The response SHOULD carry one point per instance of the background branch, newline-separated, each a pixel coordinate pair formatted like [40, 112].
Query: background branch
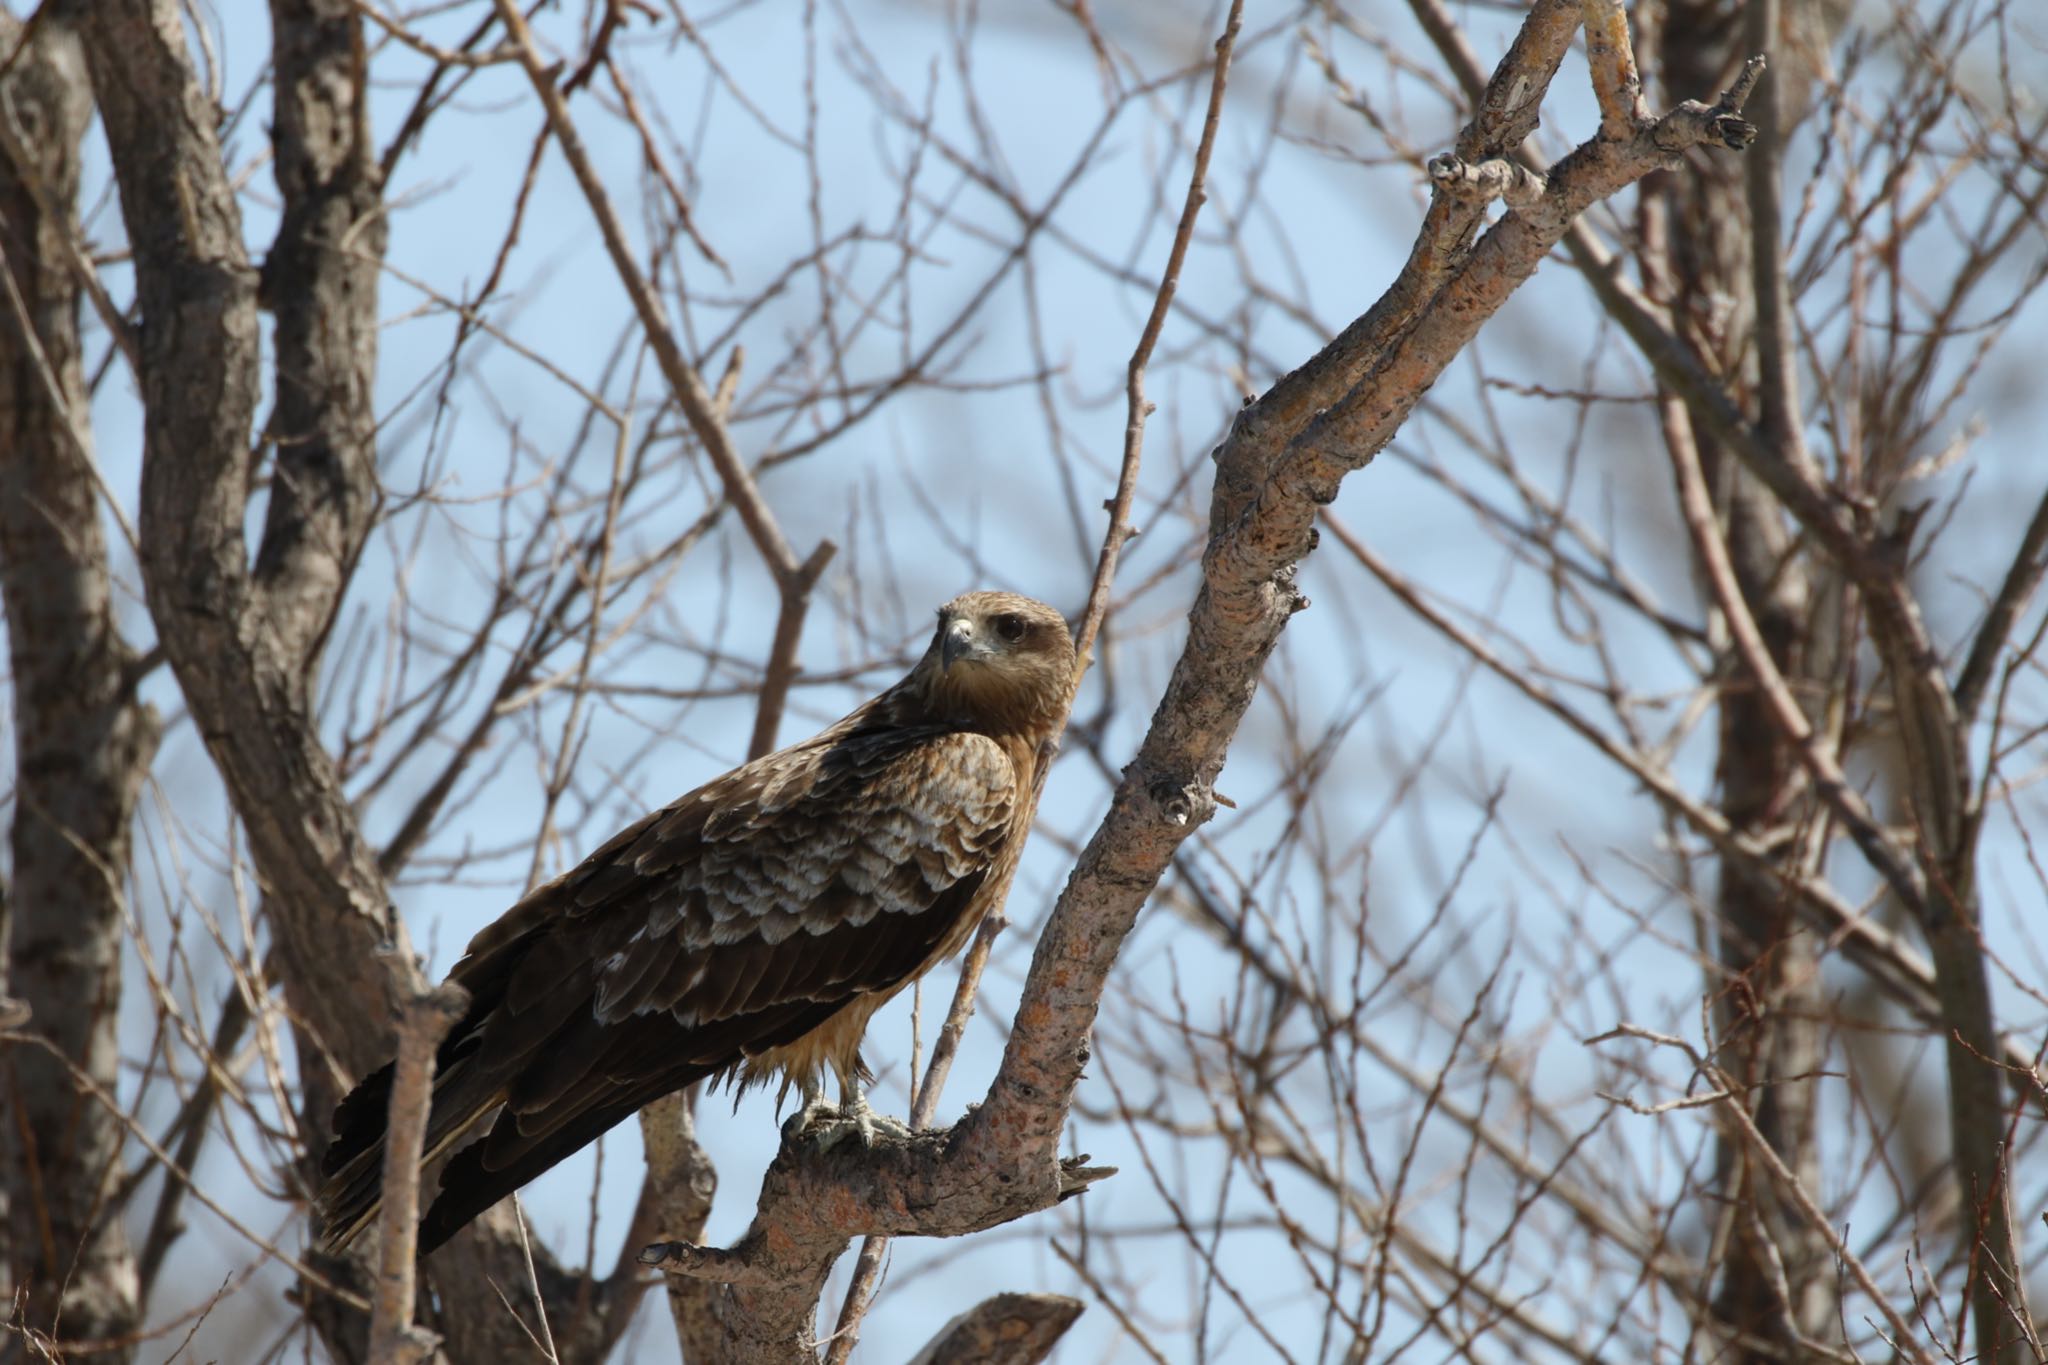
[423, 1021]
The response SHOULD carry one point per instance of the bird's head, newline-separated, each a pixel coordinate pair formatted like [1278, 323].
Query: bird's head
[998, 660]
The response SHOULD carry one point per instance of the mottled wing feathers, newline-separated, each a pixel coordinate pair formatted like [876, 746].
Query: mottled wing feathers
[595, 1075]
[753, 925]
[683, 913]
[731, 922]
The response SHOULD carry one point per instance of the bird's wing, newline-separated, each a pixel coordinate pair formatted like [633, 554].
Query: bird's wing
[733, 921]
[757, 877]
[811, 875]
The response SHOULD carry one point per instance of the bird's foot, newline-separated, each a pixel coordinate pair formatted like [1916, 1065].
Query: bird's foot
[826, 1126]
[816, 1110]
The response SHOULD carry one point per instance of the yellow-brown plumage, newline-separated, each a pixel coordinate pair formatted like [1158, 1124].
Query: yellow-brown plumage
[747, 929]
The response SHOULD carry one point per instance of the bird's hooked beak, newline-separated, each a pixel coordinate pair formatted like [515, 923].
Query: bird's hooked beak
[959, 642]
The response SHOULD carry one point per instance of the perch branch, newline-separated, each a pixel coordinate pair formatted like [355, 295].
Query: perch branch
[1282, 461]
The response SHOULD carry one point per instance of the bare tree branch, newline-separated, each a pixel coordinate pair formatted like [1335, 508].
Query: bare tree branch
[1002, 1160]
[1009, 1329]
[423, 1021]
[82, 741]
[468, 577]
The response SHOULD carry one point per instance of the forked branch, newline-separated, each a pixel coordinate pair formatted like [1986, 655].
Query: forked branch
[1282, 461]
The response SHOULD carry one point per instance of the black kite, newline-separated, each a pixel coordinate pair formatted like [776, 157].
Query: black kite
[749, 928]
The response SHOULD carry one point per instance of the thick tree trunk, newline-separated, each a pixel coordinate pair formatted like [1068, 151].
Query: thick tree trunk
[1768, 990]
[83, 743]
[245, 636]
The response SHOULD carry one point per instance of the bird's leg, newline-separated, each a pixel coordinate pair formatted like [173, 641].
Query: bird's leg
[853, 1118]
[814, 1109]
[853, 1109]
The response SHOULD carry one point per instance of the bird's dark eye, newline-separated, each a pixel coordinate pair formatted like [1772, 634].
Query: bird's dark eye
[1010, 626]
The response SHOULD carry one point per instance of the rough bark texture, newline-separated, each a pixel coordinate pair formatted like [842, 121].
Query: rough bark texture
[320, 283]
[1766, 471]
[245, 644]
[244, 667]
[1009, 1329]
[1282, 461]
[1941, 795]
[675, 1203]
[83, 743]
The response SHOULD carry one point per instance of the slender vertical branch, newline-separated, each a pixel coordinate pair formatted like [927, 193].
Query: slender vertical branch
[423, 1021]
[698, 405]
[2022, 577]
[1137, 408]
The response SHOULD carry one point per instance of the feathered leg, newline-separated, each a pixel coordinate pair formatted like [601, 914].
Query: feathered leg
[855, 1115]
[825, 1125]
[813, 1111]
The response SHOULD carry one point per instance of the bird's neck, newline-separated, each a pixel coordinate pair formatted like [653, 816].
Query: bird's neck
[975, 700]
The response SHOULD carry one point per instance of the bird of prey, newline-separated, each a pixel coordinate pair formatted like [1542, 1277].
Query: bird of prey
[749, 928]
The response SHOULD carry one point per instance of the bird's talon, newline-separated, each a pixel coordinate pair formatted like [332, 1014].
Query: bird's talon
[816, 1111]
[895, 1129]
[827, 1126]
[830, 1134]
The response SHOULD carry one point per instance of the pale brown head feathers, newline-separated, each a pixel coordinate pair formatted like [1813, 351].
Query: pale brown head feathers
[998, 661]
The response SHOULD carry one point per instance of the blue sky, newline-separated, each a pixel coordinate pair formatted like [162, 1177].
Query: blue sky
[943, 490]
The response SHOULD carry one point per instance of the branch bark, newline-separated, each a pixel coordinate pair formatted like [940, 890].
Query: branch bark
[1282, 461]
[82, 741]
[1702, 257]
[320, 283]
[245, 643]
[1937, 880]
[246, 679]
[422, 1023]
[1009, 1329]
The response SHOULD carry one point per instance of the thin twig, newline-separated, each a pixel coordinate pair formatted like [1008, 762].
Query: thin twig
[546, 1341]
[1107, 1300]
[1728, 1094]
[91, 1088]
[1137, 408]
[1893, 965]
[698, 406]
[190, 1129]
[1695, 504]
[2029, 563]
